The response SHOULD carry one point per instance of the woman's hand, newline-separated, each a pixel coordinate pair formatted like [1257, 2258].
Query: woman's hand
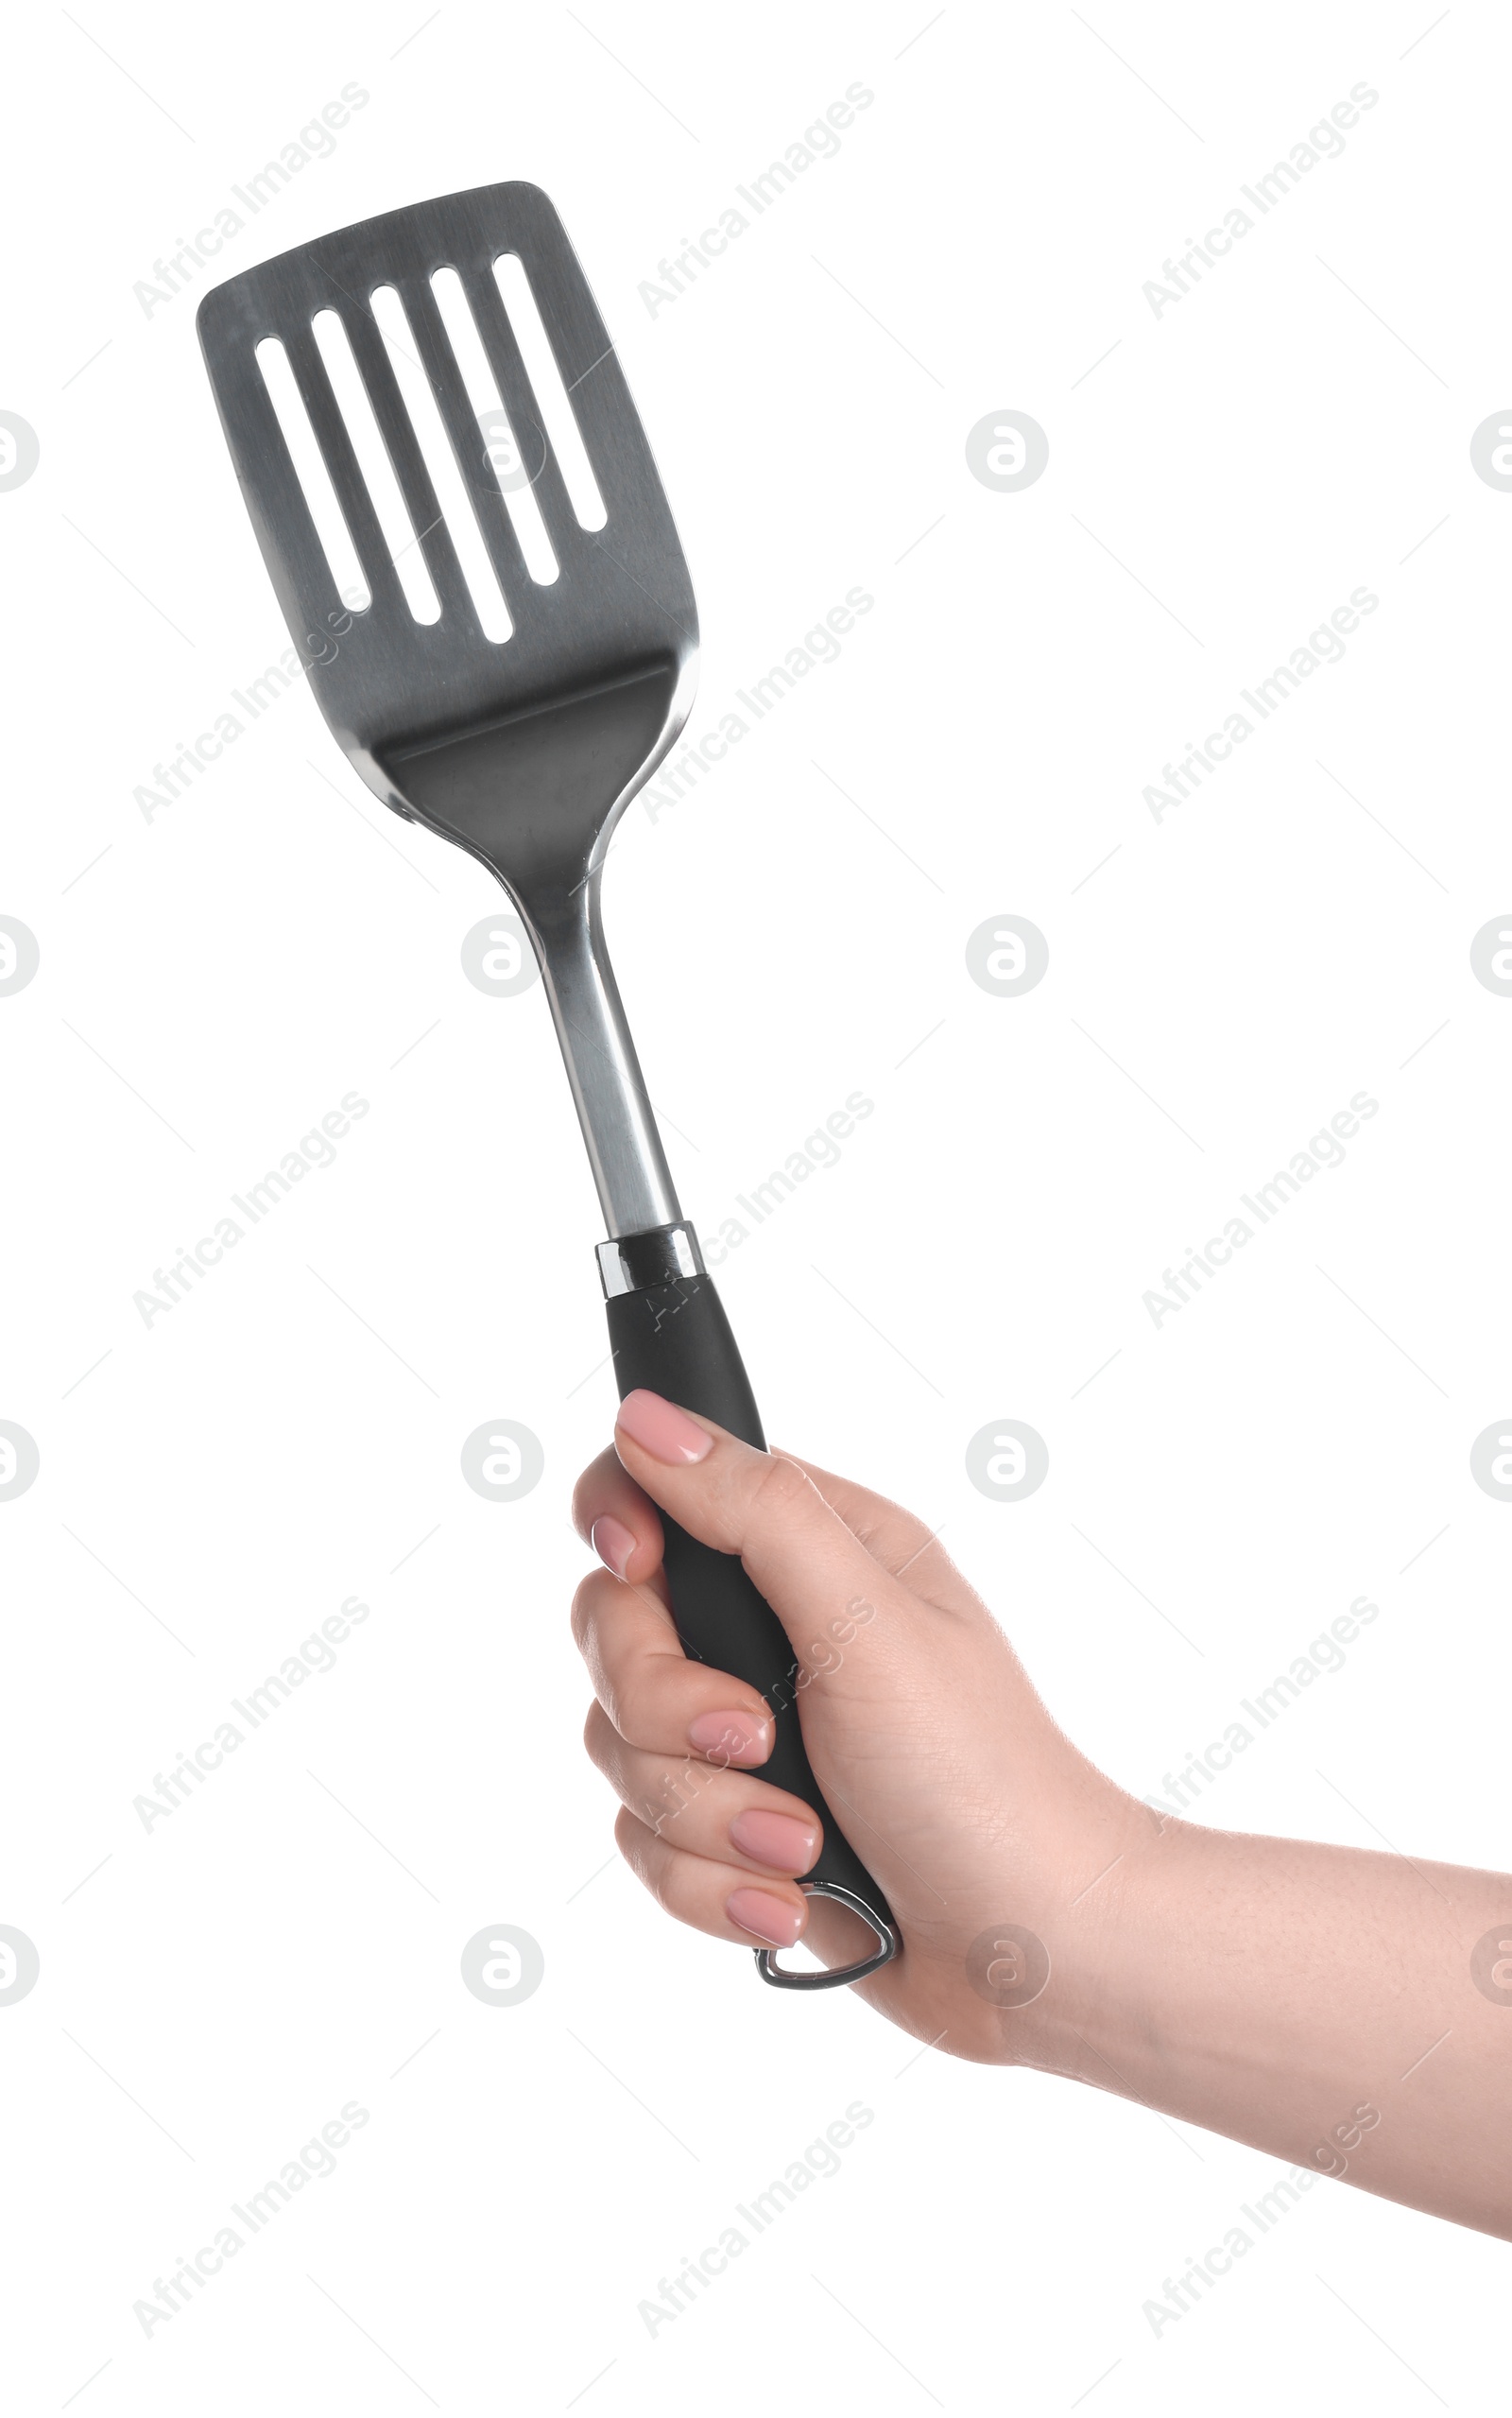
[947, 1775]
[1347, 2010]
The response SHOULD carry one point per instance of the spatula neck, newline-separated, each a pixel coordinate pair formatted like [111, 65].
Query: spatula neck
[624, 1151]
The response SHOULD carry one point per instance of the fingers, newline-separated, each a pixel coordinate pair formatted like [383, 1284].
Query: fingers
[720, 1849]
[800, 1553]
[700, 1893]
[653, 1695]
[722, 1814]
[617, 1518]
[611, 1513]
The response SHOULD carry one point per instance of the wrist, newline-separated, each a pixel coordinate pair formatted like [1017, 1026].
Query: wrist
[1092, 1914]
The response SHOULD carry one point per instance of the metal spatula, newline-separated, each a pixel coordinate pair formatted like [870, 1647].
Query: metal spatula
[523, 748]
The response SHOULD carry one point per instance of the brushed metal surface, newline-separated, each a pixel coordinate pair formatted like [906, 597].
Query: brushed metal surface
[525, 752]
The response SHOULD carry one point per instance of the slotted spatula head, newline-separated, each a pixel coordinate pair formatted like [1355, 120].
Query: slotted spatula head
[522, 747]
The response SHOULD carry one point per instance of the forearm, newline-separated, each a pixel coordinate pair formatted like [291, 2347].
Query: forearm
[1316, 2001]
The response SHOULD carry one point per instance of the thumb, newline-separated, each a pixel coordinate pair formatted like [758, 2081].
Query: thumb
[800, 1553]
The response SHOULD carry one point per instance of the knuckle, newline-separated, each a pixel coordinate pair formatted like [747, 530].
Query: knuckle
[662, 1880]
[584, 1610]
[598, 1611]
[601, 1740]
[780, 1487]
[678, 1792]
[629, 1838]
[632, 1708]
[648, 1859]
[584, 1494]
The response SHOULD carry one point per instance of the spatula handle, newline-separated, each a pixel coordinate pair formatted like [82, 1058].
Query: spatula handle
[669, 1333]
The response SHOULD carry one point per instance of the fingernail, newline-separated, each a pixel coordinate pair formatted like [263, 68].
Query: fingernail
[781, 1840]
[771, 1919]
[662, 1430]
[730, 1737]
[613, 1544]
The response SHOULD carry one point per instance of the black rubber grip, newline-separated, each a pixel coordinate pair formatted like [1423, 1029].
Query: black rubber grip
[675, 1338]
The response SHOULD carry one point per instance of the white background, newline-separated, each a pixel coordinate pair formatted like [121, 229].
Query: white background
[219, 976]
